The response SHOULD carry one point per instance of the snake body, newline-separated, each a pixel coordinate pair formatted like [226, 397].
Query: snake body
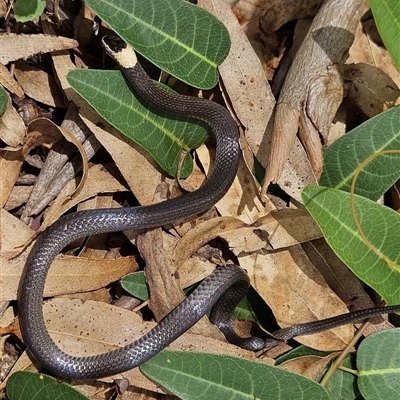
[90, 222]
[223, 289]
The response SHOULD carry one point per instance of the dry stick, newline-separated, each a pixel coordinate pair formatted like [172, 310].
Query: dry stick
[336, 364]
[313, 88]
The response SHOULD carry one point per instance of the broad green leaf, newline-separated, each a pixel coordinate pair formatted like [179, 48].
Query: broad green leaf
[209, 376]
[378, 363]
[33, 386]
[344, 156]
[135, 284]
[387, 18]
[163, 135]
[381, 225]
[28, 10]
[180, 38]
[3, 100]
[343, 384]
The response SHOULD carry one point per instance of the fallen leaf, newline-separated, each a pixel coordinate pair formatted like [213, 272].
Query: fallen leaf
[16, 46]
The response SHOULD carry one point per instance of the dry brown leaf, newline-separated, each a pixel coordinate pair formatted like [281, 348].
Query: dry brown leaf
[18, 196]
[9, 83]
[244, 78]
[277, 230]
[297, 293]
[272, 15]
[42, 131]
[242, 199]
[39, 85]
[67, 274]
[365, 50]
[311, 367]
[16, 46]
[10, 161]
[141, 172]
[99, 181]
[12, 128]
[14, 235]
[342, 281]
[202, 234]
[370, 88]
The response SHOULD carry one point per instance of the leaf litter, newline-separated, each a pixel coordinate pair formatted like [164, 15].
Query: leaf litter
[299, 283]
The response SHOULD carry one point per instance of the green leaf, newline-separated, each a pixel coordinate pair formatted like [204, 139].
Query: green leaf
[209, 376]
[180, 38]
[163, 135]
[378, 363]
[381, 225]
[344, 156]
[387, 18]
[3, 100]
[135, 284]
[28, 10]
[33, 386]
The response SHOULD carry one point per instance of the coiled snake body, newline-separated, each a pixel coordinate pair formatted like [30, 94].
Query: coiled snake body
[230, 280]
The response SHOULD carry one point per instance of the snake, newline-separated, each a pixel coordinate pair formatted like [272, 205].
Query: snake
[221, 291]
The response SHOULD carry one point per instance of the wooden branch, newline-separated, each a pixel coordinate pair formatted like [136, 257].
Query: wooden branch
[313, 88]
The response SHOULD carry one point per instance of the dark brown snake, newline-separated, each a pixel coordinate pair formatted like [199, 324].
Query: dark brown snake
[221, 291]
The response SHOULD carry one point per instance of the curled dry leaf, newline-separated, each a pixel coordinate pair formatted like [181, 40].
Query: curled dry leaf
[62, 164]
[365, 50]
[39, 85]
[10, 161]
[276, 230]
[45, 132]
[99, 181]
[16, 46]
[242, 199]
[272, 15]
[9, 82]
[370, 88]
[12, 128]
